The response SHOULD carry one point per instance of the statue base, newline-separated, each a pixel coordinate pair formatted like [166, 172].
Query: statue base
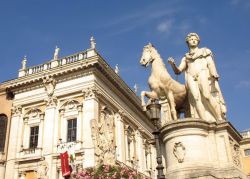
[195, 148]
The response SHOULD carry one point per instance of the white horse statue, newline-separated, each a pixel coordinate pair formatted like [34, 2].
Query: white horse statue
[162, 85]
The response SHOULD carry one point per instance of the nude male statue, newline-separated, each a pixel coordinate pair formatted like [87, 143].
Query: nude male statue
[201, 79]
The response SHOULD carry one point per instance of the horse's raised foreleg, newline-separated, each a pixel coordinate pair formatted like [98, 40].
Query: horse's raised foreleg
[150, 95]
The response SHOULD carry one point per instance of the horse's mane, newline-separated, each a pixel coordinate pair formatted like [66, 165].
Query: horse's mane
[155, 53]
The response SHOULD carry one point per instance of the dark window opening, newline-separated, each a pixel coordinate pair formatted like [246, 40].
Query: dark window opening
[34, 131]
[72, 128]
[247, 152]
[3, 130]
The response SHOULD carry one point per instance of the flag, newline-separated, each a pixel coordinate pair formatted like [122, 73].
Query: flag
[65, 164]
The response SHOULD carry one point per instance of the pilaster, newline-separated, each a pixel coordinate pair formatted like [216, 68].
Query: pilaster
[50, 134]
[139, 149]
[120, 136]
[14, 136]
[90, 111]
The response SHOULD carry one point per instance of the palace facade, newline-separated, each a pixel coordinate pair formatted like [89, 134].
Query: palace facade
[76, 103]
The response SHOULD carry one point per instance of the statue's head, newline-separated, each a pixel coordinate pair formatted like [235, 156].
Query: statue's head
[146, 55]
[191, 36]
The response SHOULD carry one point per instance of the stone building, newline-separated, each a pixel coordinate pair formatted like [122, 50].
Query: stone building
[5, 115]
[245, 150]
[76, 102]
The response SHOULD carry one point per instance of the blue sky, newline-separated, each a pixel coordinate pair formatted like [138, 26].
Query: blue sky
[122, 28]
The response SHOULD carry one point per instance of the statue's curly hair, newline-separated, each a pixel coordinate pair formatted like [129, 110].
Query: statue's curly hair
[191, 35]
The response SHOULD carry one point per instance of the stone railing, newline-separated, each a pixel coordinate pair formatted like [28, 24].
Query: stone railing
[55, 63]
[245, 134]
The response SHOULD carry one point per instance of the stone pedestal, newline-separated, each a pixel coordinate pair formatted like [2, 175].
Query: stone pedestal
[195, 148]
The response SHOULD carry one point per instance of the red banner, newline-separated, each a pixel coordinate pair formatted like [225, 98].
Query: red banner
[65, 164]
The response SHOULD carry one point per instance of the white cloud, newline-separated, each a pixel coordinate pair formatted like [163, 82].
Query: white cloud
[165, 26]
[133, 20]
[244, 3]
[244, 84]
[235, 2]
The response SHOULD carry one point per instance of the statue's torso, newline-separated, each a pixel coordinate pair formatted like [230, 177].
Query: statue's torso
[197, 64]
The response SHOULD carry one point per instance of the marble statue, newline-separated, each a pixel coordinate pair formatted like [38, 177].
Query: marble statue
[162, 85]
[116, 69]
[135, 88]
[201, 80]
[92, 42]
[56, 53]
[24, 62]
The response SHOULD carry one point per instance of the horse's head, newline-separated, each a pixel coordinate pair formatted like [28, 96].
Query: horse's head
[146, 57]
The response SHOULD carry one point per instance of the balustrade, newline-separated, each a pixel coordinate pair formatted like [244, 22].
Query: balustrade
[63, 61]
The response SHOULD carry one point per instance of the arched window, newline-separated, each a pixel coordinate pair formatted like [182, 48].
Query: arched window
[3, 129]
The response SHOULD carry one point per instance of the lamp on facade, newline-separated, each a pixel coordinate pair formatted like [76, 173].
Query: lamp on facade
[154, 110]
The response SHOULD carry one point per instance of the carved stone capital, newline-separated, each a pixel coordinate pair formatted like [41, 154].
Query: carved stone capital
[139, 132]
[79, 108]
[25, 120]
[122, 113]
[91, 93]
[126, 127]
[62, 111]
[42, 116]
[51, 101]
[16, 110]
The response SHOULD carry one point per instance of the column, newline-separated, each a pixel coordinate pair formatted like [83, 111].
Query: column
[26, 133]
[41, 131]
[2, 169]
[49, 134]
[120, 137]
[60, 116]
[49, 121]
[140, 152]
[79, 124]
[90, 111]
[126, 144]
[12, 148]
[20, 134]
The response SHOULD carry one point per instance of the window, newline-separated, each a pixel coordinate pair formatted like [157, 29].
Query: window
[3, 127]
[247, 152]
[71, 135]
[34, 136]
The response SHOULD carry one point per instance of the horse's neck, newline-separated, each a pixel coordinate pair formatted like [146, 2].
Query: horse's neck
[158, 66]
